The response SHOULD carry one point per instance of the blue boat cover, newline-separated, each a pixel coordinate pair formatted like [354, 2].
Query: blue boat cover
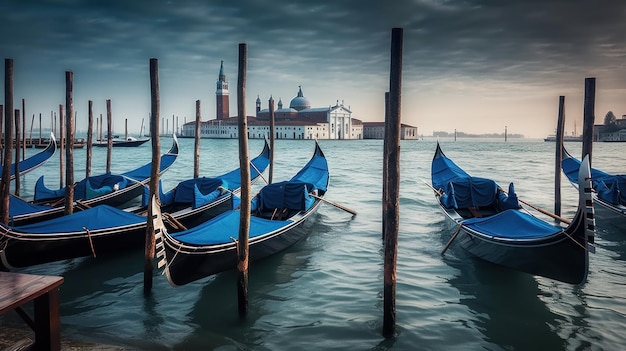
[461, 190]
[223, 228]
[98, 217]
[610, 188]
[98, 185]
[293, 195]
[512, 224]
[469, 192]
[18, 207]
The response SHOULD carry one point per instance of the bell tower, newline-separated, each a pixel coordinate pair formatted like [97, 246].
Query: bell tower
[222, 95]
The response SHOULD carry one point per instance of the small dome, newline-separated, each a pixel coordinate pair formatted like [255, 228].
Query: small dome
[300, 102]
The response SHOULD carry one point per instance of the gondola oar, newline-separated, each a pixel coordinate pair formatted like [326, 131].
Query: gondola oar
[430, 186]
[547, 213]
[334, 204]
[458, 230]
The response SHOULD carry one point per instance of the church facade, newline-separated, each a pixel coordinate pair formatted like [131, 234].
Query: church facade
[298, 121]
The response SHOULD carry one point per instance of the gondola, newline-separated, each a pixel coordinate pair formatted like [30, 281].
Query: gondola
[108, 188]
[37, 160]
[129, 142]
[105, 230]
[96, 231]
[609, 190]
[279, 214]
[111, 189]
[196, 200]
[492, 225]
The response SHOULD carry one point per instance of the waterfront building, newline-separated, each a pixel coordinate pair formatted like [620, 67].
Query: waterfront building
[298, 121]
[376, 130]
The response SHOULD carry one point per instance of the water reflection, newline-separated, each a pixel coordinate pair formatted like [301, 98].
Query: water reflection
[506, 305]
[215, 315]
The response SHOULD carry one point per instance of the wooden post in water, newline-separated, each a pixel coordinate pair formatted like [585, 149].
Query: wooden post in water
[392, 209]
[8, 140]
[505, 134]
[89, 139]
[196, 146]
[154, 174]
[100, 130]
[30, 132]
[560, 126]
[39, 128]
[244, 165]
[1, 135]
[385, 163]
[18, 146]
[454, 134]
[61, 146]
[23, 143]
[109, 135]
[125, 129]
[272, 127]
[69, 141]
[589, 117]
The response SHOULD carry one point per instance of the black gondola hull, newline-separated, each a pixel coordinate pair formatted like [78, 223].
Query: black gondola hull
[186, 267]
[30, 251]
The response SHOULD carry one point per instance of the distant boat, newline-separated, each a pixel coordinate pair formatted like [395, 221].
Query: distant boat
[573, 137]
[129, 142]
[565, 138]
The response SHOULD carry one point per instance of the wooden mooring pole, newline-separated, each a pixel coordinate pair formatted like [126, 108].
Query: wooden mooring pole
[588, 117]
[385, 164]
[154, 174]
[196, 145]
[560, 127]
[5, 183]
[61, 146]
[272, 128]
[109, 135]
[69, 142]
[18, 146]
[89, 139]
[391, 206]
[244, 165]
[23, 143]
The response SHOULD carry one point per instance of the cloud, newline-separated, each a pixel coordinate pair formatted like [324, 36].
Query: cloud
[493, 51]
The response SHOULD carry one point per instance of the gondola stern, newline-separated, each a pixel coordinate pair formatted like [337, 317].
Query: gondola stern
[583, 227]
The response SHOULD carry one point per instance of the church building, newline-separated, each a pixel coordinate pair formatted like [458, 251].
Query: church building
[298, 121]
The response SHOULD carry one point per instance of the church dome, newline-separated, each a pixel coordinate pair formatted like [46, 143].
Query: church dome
[300, 102]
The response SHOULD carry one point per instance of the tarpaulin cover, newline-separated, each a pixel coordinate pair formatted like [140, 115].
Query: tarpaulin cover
[223, 228]
[98, 217]
[513, 224]
[290, 194]
[18, 207]
[610, 188]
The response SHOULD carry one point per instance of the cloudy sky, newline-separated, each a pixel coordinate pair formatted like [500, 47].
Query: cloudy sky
[471, 65]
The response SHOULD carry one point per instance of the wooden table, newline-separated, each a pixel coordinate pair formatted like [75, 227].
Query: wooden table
[16, 289]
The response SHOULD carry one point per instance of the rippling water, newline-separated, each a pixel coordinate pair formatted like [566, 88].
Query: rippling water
[326, 292]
